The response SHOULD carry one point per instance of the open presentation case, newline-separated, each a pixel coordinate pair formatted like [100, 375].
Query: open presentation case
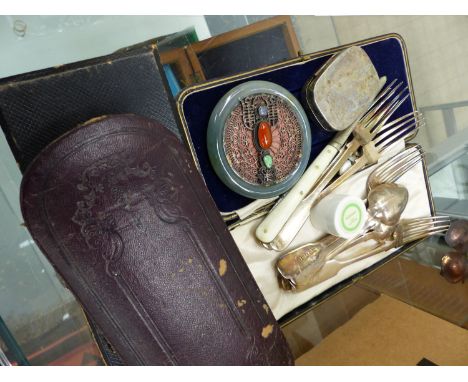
[195, 104]
[38, 108]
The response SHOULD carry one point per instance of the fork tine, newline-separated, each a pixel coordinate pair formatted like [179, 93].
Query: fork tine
[393, 162]
[425, 227]
[399, 160]
[414, 115]
[389, 128]
[377, 128]
[398, 171]
[396, 159]
[379, 115]
[395, 103]
[419, 224]
[403, 134]
[388, 135]
[409, 131]
[381, 98]
[383, 93]
[425, 220]
[387, 112]
[411, 163]
[435, 231]
[375, 114]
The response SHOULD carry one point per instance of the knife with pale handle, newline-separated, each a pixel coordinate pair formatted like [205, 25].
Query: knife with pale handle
[364, 134]
[281, 212]
[272, 224]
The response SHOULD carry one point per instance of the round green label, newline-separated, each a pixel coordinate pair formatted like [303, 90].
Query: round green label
[351, 217]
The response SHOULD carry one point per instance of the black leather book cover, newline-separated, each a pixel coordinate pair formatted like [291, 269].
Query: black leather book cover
[125, 218]
[40, 106]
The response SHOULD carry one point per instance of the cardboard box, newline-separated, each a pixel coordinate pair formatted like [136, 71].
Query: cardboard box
[390, 332]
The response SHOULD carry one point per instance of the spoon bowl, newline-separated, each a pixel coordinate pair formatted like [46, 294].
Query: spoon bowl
[299, 266]
[387, 202]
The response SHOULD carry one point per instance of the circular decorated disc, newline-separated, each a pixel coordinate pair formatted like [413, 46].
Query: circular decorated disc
[259, 139]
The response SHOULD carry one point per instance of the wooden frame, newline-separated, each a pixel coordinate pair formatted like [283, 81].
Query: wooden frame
[249, 30]
[178, 58]
[186, 59]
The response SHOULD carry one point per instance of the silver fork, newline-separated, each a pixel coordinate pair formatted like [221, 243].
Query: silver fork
[370, 125]
[409, 124]
[406, 232]
[388, 172]
[409, 230]
[392, 169]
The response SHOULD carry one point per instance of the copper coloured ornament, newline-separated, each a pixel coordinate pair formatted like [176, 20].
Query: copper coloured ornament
[457, 235]
[454, 267]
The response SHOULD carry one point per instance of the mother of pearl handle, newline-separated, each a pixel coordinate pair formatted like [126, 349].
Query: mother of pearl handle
[278, 216]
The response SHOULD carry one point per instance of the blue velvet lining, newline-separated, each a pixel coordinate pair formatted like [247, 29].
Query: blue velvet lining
[386, 55]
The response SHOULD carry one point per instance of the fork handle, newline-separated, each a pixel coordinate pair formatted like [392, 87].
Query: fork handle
[332, 267]
[349, 243]
[358, 165]
[378, 248]
[272, 224]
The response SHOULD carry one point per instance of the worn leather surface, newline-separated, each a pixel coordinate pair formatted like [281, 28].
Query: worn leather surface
[121, 212]
[38, 107]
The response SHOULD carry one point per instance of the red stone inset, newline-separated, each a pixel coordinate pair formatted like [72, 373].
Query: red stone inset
[264, 135]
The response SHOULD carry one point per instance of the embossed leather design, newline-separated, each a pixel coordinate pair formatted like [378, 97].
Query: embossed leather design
[123, 215]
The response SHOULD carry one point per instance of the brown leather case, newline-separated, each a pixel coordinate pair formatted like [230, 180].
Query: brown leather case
[123, 215]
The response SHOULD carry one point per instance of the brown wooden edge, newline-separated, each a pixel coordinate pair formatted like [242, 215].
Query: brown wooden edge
[179, 59]
[186, 59]
[249, 30]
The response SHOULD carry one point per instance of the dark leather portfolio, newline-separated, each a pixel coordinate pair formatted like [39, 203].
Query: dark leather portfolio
[38, 107]
[125, 218]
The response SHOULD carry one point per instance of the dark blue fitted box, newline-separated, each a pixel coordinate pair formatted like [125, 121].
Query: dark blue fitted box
[195, 104]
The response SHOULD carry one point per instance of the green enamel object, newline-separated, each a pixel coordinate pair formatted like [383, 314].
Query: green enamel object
[268, 160]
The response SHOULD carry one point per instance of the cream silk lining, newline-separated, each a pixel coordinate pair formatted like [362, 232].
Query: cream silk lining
[261, 261]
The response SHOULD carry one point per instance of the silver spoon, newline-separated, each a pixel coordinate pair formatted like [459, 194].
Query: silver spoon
[386, 204]
[387, 172]
[387, 201]
[405, 232]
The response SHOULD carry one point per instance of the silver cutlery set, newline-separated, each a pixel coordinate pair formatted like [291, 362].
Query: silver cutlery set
[310, 264]
[347, 88]
[313, 263]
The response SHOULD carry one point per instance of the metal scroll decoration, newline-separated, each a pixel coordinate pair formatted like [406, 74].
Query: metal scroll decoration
[259, 139]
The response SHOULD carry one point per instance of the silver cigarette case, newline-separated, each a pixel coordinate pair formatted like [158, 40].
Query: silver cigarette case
[343, 89]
